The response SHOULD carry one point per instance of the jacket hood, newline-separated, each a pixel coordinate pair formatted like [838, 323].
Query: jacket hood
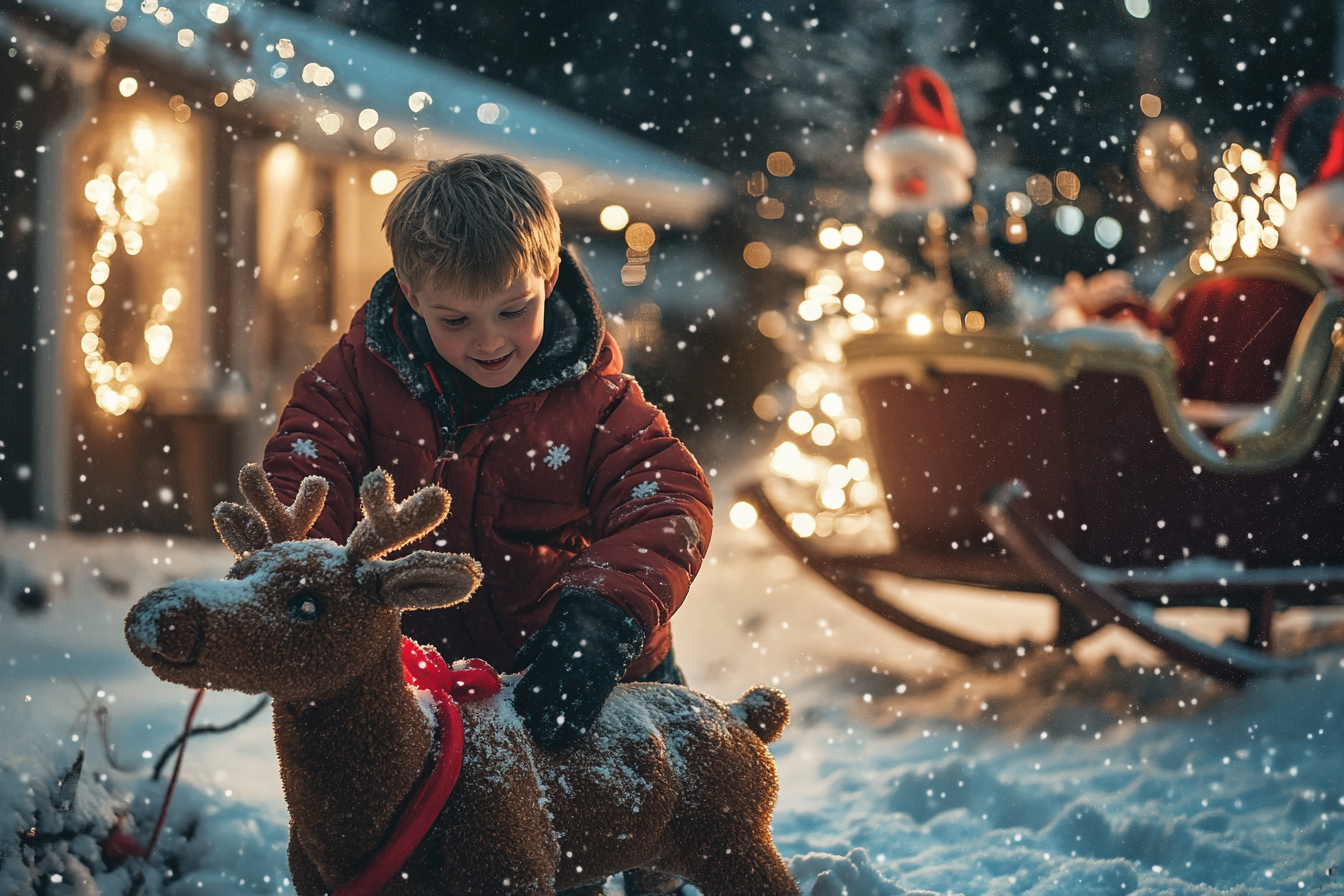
[571, 340]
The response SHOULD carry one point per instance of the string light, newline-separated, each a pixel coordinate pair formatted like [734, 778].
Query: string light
[145, 175]
[1248, 218]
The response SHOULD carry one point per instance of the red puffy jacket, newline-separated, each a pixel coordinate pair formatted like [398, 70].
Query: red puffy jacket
[566, 479]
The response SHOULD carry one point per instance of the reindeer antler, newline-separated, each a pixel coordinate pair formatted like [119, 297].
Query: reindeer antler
[386, 525]
[266, 521]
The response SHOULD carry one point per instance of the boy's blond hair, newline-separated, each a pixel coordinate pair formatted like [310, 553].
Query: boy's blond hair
[476, 223]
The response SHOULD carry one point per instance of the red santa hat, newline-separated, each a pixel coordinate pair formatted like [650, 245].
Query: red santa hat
[1314, 227]
[918, 156]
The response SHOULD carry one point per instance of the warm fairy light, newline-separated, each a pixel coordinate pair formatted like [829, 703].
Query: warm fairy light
[1068, 184]
[368, 118]
[832, 498]
[614, 217]
[804, 525]
[146, 174]
[862, 323]
[742, 515]
[1151, 105]
[1225, 186]
[1039, 190]
[640, 237]
[318, 75]
[330, 122]
[1017, 204]
[854, 303]
[419, 100]
[772, 324]
[128, 86]
[1240, 220]
[829, 282]
[164, 16]
[488, 113]
[780, 164]
[244, 89]
[832, 404]
[1288, 190]
[975, 321]
[823, 434]
[810, 309]
[874, 260]
[1015, 229]
[919, 325]
[756, 254]
[801, 422]
[851, 234]
[952, 321]
[186, 37]
[551, 180]
[383, 137]
[383, 181]
[217, 13]
[829, 238]
[284, 48]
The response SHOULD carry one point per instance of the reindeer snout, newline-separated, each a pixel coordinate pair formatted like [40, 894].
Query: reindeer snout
[164, 628]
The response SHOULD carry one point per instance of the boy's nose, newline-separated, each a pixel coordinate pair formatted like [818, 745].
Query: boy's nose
[489, 341]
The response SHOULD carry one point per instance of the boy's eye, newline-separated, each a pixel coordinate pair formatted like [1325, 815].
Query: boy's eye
[452, 321]
[514, 315]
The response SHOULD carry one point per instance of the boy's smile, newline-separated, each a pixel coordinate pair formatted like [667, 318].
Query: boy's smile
[487, 337]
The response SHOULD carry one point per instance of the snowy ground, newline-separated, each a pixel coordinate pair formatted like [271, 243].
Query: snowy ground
[903, 769]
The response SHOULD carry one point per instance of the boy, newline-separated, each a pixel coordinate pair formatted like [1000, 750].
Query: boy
[481, 363]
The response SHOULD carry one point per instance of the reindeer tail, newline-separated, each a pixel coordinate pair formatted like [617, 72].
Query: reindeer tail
[765, 712]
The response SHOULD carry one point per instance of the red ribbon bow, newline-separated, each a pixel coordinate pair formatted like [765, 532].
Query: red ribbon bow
[426, 670]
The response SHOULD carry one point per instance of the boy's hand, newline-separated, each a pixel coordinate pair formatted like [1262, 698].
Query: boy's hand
[575, 659]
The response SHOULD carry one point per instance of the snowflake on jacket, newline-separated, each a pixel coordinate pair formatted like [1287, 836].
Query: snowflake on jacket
[566, 480]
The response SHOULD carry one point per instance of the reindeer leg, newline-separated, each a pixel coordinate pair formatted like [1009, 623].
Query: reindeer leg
[750, 868]
[302, 871]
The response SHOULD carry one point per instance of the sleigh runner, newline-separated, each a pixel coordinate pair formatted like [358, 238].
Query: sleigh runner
[1089, 465]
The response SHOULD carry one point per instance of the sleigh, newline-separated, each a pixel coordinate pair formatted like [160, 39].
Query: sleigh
[1118, 471]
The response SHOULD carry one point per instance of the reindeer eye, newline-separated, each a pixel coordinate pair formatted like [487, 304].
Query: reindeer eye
[305, 606]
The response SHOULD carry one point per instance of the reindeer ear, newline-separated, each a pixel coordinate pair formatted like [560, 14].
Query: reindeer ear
[425, 580]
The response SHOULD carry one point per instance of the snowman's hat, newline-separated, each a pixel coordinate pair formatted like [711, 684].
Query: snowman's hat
[918, 155]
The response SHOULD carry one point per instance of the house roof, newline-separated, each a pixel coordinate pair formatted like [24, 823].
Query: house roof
[597, 164]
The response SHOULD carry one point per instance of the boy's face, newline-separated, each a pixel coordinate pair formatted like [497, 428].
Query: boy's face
[488, 337]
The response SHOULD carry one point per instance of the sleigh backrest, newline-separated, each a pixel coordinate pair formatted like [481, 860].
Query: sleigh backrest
[1093, 421]
[1233, 329]
[296, 617]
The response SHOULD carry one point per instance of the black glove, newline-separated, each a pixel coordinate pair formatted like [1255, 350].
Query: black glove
[575, 659]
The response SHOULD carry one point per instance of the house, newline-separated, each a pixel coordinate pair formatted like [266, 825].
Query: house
[196, 215]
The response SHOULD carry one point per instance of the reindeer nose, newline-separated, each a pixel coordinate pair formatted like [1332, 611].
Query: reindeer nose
[169, 630]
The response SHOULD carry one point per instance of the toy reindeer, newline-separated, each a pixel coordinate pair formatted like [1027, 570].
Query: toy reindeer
[668, 778]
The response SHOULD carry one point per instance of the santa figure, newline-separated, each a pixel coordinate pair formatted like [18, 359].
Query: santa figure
[1314, 228]
[918, 157]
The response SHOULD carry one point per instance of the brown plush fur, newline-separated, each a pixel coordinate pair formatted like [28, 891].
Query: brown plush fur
[668, 778]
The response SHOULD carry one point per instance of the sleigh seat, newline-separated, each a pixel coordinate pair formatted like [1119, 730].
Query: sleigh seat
[1073, 463]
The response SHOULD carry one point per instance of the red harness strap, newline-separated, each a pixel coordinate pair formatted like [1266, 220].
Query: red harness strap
[426, 670]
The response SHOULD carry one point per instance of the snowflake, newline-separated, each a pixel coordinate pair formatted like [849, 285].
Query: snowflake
[557, 456]
[304, 448]
[644, 490]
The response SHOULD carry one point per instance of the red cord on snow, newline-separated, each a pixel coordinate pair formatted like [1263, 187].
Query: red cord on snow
[172, 782]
